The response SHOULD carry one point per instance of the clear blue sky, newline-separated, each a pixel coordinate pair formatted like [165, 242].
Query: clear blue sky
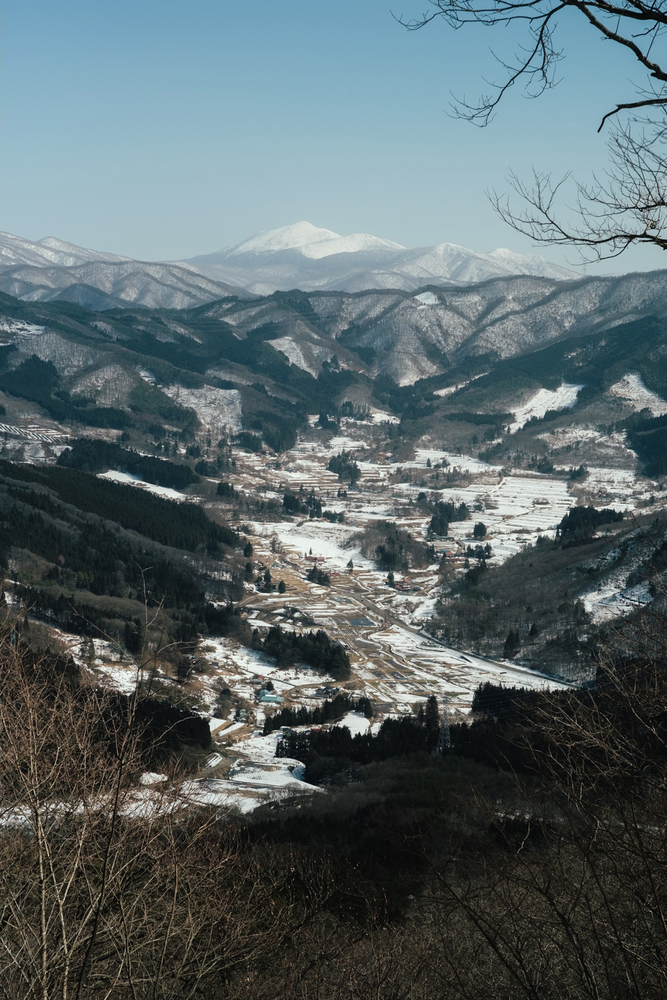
[161, 129]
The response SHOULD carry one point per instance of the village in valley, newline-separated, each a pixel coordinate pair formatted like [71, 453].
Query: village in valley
[310, 565]
[361, 525]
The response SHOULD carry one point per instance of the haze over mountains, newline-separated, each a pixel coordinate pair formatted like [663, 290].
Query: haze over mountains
[298, 256]
[49, 251]
[303, 256]
[51, 270]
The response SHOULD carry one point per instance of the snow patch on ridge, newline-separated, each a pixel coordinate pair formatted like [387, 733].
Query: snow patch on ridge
[631, 389]
[129, 480]
[427, 299]
[543, 400]
[307, 356]
[217, 409]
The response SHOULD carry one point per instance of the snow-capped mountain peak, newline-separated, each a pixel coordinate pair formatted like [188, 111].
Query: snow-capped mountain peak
[294, 237]
[302, 238]
[306, 257]
[348, 244]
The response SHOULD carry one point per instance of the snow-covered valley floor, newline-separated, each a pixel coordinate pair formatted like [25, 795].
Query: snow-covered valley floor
[395, 663]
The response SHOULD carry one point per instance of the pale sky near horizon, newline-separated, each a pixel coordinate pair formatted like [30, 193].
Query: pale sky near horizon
[161, 130]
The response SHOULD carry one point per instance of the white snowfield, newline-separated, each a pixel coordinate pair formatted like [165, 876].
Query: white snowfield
[310, 240]
[357, 723]
[256, 777]
[631, 389]
[426, 299]
[129, 480]
[449, 389]
[614, 599]
[543, 400]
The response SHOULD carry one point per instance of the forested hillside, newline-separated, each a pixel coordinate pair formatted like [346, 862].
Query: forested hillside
[91, 554]
[431, 874]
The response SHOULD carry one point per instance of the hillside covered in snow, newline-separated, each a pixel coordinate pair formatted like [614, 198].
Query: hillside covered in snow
[298, 256]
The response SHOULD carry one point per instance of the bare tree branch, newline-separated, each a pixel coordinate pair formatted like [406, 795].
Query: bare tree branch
[627, 206]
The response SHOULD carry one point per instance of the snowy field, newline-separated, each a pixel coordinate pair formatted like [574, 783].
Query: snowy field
[425, 666]
[543, 400]
[515, 511]
[129, 480]
[631, 389]
[321, 538]
[464, 463]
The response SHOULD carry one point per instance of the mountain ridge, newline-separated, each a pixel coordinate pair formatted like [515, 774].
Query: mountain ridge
[309, 258]
[297, 256]
[101, 284]
[15, 250]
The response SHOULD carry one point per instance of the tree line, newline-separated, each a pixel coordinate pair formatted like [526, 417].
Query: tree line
[330, 752]
[93, 455]
[314, 648]
[580, 523]
[39, 382]
[445, 512]
[330, 710]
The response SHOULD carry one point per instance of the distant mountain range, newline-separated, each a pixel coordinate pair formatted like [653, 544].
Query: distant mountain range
[50, 251]
[109, 285]
[299, 256]
[414, 335]
[303, 256]
[382, 332]
[52, 270]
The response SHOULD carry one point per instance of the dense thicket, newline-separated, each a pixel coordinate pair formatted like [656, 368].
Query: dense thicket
[309, 505]
[392, 547]
[314, 648]
[649, 439]
[345, 467]
[580, 523]
[39, 382]
[330, 710]
[445, 512]
[318, 576]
